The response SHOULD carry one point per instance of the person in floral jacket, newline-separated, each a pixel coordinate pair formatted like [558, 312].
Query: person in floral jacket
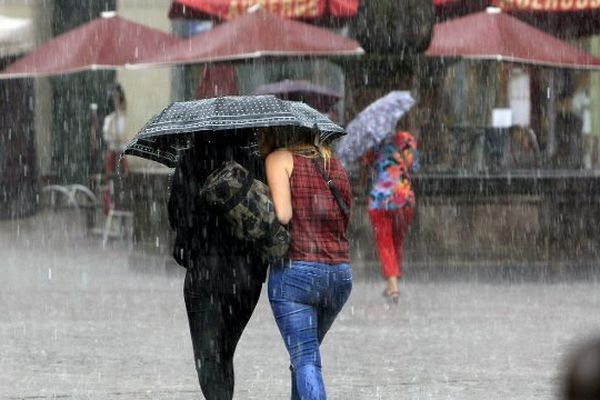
[392, 203]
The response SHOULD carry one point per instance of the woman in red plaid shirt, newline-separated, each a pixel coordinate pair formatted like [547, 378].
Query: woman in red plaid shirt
[308, 289]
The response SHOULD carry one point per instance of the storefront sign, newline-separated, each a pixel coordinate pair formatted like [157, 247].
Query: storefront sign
[444, 2]
[228, 9]
[548, 5]
[285, 8]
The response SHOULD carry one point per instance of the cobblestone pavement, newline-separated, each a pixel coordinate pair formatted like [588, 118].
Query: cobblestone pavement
[80, 322]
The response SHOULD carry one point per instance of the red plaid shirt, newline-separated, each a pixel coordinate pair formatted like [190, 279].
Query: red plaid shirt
[318, 226]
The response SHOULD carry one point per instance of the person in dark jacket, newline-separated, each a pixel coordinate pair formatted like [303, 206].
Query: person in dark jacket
[224, 277]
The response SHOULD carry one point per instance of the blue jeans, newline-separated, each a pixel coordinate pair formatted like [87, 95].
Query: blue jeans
[305, 298]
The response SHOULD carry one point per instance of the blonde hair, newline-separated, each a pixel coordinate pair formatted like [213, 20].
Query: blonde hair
[303, 143]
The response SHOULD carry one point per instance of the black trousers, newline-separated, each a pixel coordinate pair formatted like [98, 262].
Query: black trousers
[220, 295]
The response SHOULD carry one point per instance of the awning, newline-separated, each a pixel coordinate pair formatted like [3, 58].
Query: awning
[562, 18]
[527, 5]
[298, 9]
[547, 5]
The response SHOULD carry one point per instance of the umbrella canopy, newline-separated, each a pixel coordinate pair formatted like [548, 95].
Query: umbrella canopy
[16, 35]
[228, 9]
[494, 35]
[167, 132]
[320, 97]
[106, 42]
[373, 125]
[253, 35]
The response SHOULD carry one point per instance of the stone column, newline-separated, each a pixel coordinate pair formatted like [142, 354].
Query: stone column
[42, 21]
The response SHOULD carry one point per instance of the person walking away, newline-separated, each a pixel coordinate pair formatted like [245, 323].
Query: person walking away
[113, 133]
[392, 203]
[308, 289]
[224, 276]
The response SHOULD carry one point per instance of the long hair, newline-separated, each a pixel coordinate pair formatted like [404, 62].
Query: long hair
[301, 142]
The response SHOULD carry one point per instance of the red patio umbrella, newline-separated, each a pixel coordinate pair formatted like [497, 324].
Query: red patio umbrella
[106, 42]
[228, 9]
[494, 35]
[254, 35]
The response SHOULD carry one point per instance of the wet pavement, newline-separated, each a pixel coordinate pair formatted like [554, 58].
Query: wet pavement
[81, 322]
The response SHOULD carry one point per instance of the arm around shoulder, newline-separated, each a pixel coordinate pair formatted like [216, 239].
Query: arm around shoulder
[279, 165]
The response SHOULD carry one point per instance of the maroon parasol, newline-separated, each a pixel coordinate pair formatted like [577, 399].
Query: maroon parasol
[253, 35]
[494, 35]
[320, 97]
[106, 42]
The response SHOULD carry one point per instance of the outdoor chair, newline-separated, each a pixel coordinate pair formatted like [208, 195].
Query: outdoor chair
[118, 223]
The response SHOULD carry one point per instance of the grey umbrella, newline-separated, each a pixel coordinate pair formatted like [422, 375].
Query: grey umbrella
[320, 97]
[169, 131]
[373, 125]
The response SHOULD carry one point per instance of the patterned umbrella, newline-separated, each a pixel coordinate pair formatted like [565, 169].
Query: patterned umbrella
[169, 131]
[373, 125]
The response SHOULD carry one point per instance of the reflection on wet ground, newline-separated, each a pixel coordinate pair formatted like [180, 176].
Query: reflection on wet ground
[79, 322]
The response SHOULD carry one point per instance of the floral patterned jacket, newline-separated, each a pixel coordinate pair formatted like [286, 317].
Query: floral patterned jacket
[392, 164]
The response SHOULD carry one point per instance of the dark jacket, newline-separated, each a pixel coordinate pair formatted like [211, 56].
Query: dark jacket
[201, 231]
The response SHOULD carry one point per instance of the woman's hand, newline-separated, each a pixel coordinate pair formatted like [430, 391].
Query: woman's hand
[279, 165]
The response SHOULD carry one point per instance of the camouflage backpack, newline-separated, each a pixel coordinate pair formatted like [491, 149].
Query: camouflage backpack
[246, 204]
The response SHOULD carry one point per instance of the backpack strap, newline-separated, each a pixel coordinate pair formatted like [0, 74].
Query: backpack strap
[334, 190]
[240, 195]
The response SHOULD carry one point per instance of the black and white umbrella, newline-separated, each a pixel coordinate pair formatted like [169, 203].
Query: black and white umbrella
[170, 131]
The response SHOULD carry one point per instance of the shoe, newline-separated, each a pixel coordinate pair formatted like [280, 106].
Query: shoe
[392, 295]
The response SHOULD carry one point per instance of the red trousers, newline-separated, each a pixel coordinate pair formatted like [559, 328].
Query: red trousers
[390, 228]
[111, 163]
[111, 169]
